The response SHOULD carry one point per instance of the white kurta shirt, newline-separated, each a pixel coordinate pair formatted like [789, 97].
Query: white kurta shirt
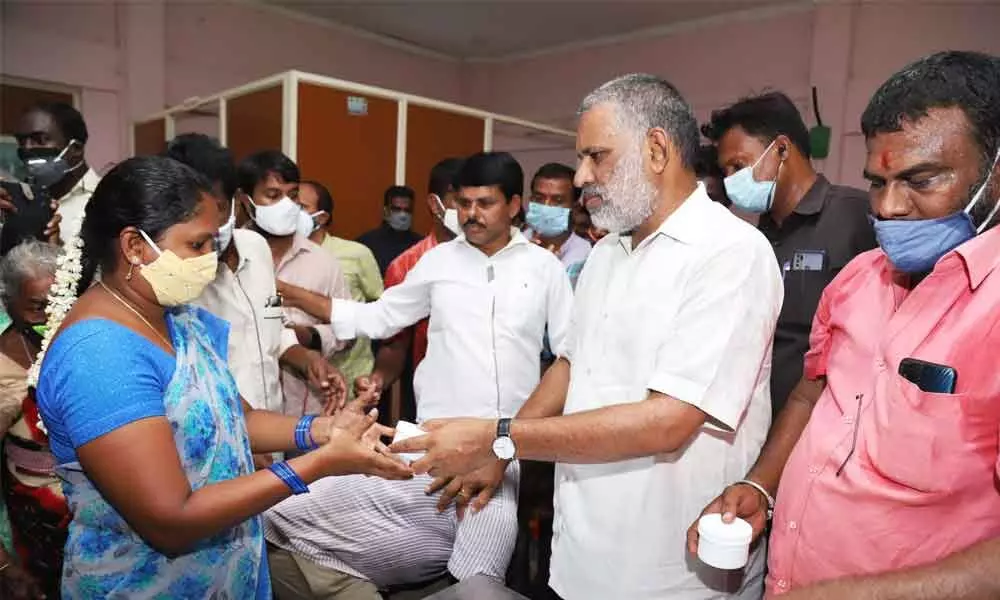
[257, 335]
[487, 321]
[73, 205]
[689, 313]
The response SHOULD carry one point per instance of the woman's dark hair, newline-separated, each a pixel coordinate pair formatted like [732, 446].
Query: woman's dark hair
[150, 193]
[487, 169]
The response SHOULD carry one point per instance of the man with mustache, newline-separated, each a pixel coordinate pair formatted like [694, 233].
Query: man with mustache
[489, 294]
[662, 387]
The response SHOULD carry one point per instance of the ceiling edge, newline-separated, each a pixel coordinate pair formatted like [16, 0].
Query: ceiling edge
[386, 40]
[767, 12]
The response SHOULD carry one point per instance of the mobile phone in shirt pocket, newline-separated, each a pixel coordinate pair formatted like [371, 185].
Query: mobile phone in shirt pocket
[928, 441]
[928, 376]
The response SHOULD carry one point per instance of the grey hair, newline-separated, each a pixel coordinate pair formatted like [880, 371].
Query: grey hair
[645, 102]
[28, 260]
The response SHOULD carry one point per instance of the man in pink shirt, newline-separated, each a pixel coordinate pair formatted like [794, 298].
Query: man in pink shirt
[887, 451]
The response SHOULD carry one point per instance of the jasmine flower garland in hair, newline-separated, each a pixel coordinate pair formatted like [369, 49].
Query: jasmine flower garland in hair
[62, 295]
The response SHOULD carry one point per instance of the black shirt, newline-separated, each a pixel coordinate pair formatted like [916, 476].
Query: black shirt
[386, 244]
[33, 213]
[826, 230]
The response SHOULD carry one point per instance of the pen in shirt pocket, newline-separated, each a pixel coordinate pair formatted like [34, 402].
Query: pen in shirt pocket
[272, 308]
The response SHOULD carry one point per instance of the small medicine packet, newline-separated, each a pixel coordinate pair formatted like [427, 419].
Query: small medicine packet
[406, 430]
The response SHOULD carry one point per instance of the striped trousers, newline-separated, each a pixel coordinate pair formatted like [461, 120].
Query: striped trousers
[390, 532]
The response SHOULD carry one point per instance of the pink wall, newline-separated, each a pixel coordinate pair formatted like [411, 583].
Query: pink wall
[74, 45]
[846, 50]
[214, 46]
[128, 59]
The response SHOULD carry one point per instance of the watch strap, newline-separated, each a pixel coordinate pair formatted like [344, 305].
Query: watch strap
[503, 427]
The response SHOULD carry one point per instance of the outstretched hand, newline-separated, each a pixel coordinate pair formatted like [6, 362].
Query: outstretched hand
[355, 446]
[369, 384]
[452, 447]
[328, 381]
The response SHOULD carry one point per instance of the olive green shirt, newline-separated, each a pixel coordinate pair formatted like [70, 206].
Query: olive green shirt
[364, 281]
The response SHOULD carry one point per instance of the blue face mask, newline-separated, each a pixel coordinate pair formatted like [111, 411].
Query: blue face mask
[914, 247]
[547, 221]
[747, 193]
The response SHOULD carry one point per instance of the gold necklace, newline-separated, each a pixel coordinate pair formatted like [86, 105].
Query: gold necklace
[126, 304]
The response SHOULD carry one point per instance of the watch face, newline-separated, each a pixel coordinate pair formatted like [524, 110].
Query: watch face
[503, 447]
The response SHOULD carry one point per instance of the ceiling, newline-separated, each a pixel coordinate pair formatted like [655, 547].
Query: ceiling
[503, 29]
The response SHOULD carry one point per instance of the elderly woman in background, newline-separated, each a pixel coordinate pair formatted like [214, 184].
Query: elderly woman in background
[32, 493]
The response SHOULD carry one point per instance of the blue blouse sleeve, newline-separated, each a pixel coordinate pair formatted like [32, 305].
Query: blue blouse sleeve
[99, 376]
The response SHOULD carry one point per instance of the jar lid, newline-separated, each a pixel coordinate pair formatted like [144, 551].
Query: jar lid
[739, 532]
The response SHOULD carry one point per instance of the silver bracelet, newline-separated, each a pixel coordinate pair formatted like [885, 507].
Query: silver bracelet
[768, 497]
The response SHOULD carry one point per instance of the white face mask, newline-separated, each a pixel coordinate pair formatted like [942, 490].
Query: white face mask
[225, 235]
[449, 218]
[307, 223]
[280, 218]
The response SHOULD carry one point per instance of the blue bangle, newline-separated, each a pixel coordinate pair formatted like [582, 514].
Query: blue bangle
[303, 434]
[290, 478]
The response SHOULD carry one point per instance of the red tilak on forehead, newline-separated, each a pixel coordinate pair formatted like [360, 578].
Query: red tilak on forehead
[884, 159]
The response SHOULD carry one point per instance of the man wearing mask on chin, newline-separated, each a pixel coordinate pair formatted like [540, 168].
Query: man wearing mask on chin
[887, 450]
[50, 142]
[815, 227]
[549, 217]
[268, 185]
[243, 292]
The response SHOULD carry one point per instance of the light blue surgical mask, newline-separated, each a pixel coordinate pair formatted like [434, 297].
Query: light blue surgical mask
[399, 220]
[747, 193]
[915, 246]
[547, 221]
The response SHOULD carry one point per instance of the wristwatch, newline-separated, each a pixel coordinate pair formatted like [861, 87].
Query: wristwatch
[503, 445]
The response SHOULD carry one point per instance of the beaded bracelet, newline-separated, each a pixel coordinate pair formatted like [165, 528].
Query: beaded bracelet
[290, 478]
[303, 434]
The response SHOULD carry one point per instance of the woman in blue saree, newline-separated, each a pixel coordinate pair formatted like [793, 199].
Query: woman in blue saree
[152, 441]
